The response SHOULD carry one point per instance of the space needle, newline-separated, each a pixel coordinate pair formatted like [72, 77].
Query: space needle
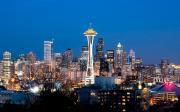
[90, 78]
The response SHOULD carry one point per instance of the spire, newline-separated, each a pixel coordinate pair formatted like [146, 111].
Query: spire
[119, 45]
[90, 25]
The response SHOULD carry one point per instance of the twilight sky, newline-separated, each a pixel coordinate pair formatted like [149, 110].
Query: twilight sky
[150, 27]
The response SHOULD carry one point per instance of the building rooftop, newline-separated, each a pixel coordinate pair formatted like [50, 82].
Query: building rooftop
[166, 87]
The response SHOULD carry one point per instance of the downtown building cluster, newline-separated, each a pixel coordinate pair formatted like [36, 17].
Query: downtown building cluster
[102, 77]
[65, 67]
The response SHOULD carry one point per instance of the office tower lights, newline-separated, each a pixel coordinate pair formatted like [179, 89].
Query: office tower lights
[6, 66]
[48, 52]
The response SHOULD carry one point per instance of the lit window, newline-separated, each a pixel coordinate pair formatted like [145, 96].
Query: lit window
[93, 94]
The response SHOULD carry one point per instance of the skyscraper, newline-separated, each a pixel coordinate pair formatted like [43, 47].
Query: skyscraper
[104, 67]
[110, 60]
[1, 68]
[90, 34]
[58, 60]
[110, 56]
[119, 55]
[6, 66]
[164, 66]
[84, 52]
[67, 58]
[132, 57]
[48, 52]
[31, 57]
[84, 58]
[100, 49]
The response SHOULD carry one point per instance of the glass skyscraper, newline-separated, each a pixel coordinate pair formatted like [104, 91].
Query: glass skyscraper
[48, 52]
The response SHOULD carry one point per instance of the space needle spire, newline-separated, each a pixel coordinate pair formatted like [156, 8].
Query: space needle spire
[90, 34]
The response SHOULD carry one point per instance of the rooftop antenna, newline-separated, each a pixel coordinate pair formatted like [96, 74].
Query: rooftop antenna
[90, 25]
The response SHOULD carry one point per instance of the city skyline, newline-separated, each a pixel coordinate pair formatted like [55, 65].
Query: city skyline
[150, 27]
[89, 55]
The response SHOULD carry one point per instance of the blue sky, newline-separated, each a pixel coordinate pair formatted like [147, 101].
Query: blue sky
[150, 27]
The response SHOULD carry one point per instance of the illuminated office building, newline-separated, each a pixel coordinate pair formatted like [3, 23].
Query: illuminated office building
[120, 55]
[165, 66]
[132, 58]
[124, 57]
[6, 66]
[110, 56]
[58, 60]
[176, 73]
[31, 58]
[84, 52]
[48, 52]
[67, 58]
[104, 68]
[84, 58]
[1, 68]
[110, 61]
[99, 56]
[100, 49]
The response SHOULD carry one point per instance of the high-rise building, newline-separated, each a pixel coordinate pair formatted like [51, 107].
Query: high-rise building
[138, 61]
[110, 60]
[132, 57]
[1, 69]
[22, 68]
[104, 68]
[90, 34]
[30, 64]
[164, 66]
[84, 58]
[83, 62]
[176, 73]
[67, 58]
[31, 58]
[58, 60]
[84, 52]
[6, 66]
[119, 56]
[48, 52]
[110, 56]
[124, 57]
[99, 56]
[100, 49]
